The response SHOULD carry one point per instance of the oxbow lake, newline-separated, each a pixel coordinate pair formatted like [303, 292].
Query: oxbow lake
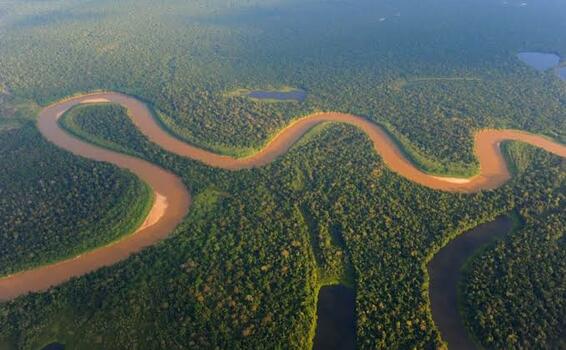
[539, 60]
[445, 271]
[336, 325]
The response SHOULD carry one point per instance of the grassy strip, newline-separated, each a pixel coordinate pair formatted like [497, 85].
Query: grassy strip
[6, 125]
[313, 285]
[444, 79]
[15, 108]
[321, 278]
[244, 92]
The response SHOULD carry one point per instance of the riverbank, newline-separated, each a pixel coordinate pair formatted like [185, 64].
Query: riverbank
[169, 208]
[446, 271]
[493, 173]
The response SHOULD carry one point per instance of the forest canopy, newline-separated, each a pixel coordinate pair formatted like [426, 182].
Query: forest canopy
[243, 269]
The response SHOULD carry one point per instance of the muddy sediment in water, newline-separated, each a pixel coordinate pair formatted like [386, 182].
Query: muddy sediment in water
[173, 199]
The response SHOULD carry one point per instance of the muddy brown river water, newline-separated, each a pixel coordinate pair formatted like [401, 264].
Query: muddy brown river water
[173, 200]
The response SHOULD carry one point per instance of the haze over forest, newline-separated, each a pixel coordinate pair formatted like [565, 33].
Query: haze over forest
[315, 174]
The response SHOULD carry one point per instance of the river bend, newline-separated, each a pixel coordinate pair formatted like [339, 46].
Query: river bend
[173, 199]
[493, 167]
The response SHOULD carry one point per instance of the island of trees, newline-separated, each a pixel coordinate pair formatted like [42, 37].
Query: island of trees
[244, 267]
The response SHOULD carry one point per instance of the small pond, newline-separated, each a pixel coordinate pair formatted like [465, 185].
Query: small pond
[54, 346]
[539, 60]
[293, 95]
[336, 325]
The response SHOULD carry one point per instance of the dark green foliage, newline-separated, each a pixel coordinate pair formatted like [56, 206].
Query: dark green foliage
[239, 272]
[433, 87]
[54, 205]
[515, 292]
[87, 122]
[242, 270]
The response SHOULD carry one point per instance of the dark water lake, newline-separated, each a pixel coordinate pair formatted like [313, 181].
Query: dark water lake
[336, 324]
[539, 60]
[54, 346]
[445, 271]
[295, 95]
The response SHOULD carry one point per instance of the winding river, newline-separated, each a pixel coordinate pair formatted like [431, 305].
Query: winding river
[173, 200]
[446, 273]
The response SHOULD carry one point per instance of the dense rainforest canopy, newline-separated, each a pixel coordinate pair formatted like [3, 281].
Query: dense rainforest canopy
[243, 269]
[55, 205]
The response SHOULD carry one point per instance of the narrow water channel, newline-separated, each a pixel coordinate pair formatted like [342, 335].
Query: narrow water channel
[445, 271]
[54, 346]
[173, 200]
[336, 324]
